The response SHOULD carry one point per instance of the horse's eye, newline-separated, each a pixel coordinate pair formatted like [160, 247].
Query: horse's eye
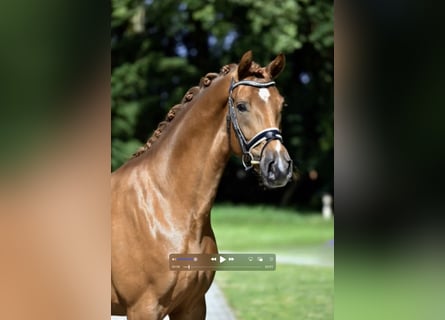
[241, 107]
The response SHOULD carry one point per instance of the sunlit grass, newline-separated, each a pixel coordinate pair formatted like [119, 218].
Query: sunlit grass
[241, 228]
[289, 292]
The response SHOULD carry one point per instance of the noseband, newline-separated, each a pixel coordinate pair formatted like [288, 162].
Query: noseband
[267, 135]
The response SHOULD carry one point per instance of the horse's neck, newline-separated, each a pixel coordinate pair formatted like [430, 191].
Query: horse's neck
[190, 159]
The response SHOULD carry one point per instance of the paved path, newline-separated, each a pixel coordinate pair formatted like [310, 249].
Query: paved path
[308, 260]
[217, 307]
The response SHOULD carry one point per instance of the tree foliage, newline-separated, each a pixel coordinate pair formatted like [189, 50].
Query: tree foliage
[162, 48]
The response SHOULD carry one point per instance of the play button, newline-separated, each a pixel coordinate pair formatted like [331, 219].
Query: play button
[221, 259]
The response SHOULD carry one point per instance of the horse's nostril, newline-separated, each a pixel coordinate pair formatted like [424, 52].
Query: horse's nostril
[270, 167]
[271, 170]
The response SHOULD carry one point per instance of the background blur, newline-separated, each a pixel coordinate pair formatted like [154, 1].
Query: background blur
[55, 132]
[160, 49]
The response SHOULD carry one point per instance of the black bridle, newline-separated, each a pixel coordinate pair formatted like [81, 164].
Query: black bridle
[267, 135]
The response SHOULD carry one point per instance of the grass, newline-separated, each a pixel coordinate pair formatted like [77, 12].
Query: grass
[289, 292]
[264, 228]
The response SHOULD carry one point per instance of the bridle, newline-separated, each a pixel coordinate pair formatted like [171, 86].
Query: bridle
[267, 135]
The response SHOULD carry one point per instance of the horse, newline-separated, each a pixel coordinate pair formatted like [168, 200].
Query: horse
[162, 197]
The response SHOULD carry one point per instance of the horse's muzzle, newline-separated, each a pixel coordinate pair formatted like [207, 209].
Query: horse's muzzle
[275, 165]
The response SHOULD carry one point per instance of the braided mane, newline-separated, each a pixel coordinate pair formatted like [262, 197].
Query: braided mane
[205, 82]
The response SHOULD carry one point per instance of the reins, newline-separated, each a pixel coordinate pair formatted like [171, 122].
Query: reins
[267, 135]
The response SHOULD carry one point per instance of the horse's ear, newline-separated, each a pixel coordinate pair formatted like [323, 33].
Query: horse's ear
[276, 66]
[244, 65]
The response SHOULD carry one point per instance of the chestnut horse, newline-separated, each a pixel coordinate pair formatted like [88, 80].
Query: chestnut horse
[162, 197]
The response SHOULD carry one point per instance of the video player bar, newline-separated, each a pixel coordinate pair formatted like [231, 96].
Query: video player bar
[223, 262]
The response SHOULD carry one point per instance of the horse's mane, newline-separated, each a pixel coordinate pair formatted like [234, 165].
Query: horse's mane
[205, 82]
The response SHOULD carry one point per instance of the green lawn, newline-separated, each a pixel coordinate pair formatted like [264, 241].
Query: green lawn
[289, 292]
[242, 228]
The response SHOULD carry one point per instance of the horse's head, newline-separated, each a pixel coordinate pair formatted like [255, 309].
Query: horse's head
[255, 115]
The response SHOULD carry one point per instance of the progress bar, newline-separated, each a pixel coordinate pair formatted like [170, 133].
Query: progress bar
[223, 262]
